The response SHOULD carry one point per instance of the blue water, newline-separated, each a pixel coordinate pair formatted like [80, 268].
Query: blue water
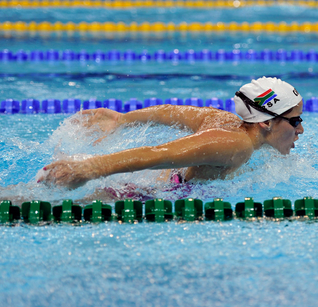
[288, 13]
[30, 142]
[235, 263]
[126, 80]
[192, 264]
[154, 41]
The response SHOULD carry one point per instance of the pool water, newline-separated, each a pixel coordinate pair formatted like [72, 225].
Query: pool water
[29, 142]
[154, 41]
[275, 13]
[59, 80]
[193, 264]
[235, 263]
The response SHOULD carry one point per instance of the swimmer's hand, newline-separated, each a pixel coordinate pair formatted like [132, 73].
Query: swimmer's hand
[106, 119]
[70, 174]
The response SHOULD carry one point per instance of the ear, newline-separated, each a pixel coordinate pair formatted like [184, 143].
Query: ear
[267, 125]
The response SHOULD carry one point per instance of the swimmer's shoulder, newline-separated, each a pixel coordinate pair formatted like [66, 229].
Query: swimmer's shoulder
[236, 137]
[227, 148]
[216, 118]
[243, 145]
[236, 141]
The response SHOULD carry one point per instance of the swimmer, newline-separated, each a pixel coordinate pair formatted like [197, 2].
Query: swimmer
[220, 143]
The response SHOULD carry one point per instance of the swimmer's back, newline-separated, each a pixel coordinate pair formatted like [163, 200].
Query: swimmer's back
[216, 118]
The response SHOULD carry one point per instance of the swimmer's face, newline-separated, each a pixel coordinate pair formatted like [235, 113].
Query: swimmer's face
[284, 135]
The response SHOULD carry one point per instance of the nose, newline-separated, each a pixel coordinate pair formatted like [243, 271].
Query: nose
[299, 129]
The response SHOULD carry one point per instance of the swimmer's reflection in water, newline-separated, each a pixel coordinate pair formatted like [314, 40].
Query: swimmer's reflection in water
[220, 143]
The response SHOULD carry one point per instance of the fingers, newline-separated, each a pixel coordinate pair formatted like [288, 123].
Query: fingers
[50, 166]
[94, 118]
[49, 173]
[100, 119]
[44, 179]
[44, 175]
[61, 173]
[89, 111]
[93, 111]
[79, 120]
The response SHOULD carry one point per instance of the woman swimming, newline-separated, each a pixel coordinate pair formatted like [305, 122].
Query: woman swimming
[221, 142]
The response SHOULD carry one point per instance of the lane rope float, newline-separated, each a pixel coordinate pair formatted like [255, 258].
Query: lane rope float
[267, 55]
[71, 106]
[156, 210]
[157, 27]
[127, 4]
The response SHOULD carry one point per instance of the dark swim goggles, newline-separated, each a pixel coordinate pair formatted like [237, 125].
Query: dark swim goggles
[293, 121]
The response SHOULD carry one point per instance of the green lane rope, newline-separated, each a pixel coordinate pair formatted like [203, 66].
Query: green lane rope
[156, 210]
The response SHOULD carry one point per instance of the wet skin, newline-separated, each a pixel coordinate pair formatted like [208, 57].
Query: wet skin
[284, 135]
[219, 145]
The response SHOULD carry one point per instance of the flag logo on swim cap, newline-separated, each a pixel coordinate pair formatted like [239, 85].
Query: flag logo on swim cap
[266, 97]
[269, 93]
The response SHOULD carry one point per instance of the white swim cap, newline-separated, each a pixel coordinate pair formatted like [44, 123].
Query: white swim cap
[270, 95]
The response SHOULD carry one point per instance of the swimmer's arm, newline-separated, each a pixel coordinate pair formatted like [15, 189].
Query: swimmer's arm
[194, 118]
[211, 147]
[182, 116]
[215, 148]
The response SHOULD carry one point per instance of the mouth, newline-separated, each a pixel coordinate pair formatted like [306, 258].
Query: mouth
[293, 145]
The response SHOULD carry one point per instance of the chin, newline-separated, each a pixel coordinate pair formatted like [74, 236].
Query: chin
[284, 151]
